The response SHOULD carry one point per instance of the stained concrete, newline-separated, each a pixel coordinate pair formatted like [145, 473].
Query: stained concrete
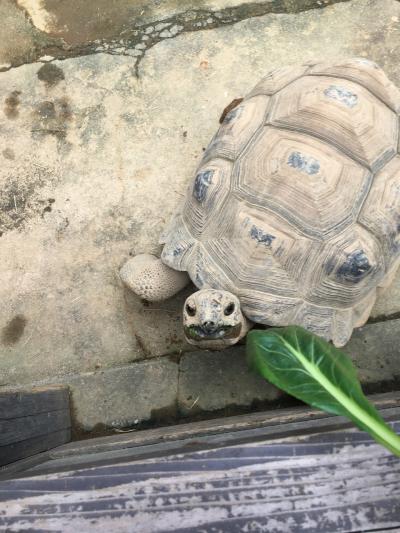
[211, 381]
[105, 20]
[125, 396]
[20, 41]
[165, 389]
[58, 30]
[375, 351]
[98, 149]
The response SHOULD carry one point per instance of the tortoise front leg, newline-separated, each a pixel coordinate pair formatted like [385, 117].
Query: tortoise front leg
[151, 279]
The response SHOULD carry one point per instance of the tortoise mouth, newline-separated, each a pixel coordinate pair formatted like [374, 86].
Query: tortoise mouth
[201, 333]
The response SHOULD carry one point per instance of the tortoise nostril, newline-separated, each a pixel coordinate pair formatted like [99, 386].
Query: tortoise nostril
[209, 326]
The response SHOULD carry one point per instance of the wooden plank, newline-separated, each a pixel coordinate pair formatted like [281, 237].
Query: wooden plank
[61, 460]
[278, 419]
[341, 481]
[26, 448]
[21, 465]
[33, 421]
[25, 427]
[18, 403]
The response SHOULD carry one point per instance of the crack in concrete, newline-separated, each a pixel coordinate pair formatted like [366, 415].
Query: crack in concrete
[135, 42]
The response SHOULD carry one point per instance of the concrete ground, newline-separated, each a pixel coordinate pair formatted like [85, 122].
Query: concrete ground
[106, 108]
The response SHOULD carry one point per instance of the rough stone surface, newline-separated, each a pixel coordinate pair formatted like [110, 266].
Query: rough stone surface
[97, 150]
[95, 161]
[388, 303]
[375, 350]
[122, 397]
[90, 21]
[20, 41]
[209, 381]
[57, 30]
[203, 382]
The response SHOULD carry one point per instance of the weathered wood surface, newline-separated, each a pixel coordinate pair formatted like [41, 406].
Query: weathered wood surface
[26, 427]
[33, 421]
[340, 481]
[218, 432]
[32, 446]
[198, 443]
[279, 423]
[14, 404]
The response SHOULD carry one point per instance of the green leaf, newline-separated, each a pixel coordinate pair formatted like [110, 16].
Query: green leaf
[314, 371]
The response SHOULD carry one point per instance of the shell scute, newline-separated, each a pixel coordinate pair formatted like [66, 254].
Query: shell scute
[237, 129]
[306, 181]
[365, 73]
[259, 252]
[179, 244]
[275, 80]
[340, 112]
[381, 212]
[351, 264]
[206, 195]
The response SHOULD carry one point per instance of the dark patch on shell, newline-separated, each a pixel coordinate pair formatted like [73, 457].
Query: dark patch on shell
[201, 183]
[342, 95]
[356, 267]
[260, 236]
[305, 164]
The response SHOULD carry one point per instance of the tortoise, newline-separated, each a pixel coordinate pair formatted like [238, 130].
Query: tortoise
[293, 216]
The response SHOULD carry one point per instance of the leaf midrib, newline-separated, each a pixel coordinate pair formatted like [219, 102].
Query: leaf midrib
[348, 403]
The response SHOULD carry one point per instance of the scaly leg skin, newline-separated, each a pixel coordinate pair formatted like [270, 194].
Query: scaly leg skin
[149, 278]
[388, 279]
[362, 311]
[345, 320]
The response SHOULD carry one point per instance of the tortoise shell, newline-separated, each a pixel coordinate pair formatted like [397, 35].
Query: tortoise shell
[295, 206]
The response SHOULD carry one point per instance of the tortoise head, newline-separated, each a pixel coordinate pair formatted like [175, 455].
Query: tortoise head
[212, 319]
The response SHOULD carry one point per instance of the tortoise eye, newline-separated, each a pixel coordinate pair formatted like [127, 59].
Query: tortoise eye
[229, 309]
[190, 309]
